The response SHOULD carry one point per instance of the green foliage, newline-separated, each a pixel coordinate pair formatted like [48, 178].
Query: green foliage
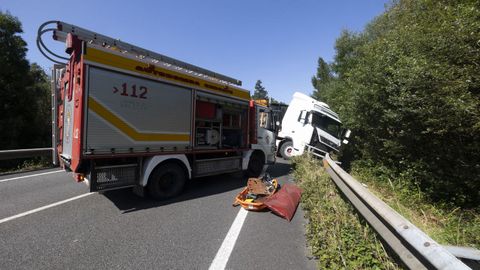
[322, 78]
[25, 94]
[14, 77]
[40, 89]
[260, 92]
[338, 237]
[22, 165]
[409, 88]
[445, 223]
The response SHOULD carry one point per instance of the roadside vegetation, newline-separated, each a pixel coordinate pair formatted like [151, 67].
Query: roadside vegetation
[408, 86]
[340, 239]
[25, 112]
[337, 236]
[24, 165]
[444, 222]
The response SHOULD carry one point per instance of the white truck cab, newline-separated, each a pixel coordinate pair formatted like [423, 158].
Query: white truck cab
[311, 125]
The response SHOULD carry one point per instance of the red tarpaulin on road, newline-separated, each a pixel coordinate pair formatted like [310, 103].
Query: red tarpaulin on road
[285, 201]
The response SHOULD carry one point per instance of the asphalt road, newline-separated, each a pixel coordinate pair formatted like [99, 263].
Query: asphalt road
[118, 230]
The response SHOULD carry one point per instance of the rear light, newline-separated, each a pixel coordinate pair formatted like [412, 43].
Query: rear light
[79, 177]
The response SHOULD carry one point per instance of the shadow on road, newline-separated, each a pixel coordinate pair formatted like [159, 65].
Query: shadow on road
[128, 202]
[279, 169]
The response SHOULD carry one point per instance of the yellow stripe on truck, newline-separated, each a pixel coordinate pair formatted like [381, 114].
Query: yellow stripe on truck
[139, 67]
[130, 131]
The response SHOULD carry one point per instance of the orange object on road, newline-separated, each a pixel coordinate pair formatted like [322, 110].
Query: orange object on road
[258, 187]
[258, 203]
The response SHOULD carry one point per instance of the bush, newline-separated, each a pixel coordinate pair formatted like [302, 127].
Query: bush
[409, 88]
[24, 92]
[444, 222]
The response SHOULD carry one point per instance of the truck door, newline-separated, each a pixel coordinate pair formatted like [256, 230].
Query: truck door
[303, 132]
[68, 109]
[266, 133]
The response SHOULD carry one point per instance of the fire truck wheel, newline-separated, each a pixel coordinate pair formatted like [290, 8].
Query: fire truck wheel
[166, 181]
[286, 150]
[255, 165]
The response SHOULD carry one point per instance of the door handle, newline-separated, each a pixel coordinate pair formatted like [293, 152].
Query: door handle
[259, 137]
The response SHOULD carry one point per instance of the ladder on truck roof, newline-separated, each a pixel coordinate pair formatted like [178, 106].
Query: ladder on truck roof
[62, 29]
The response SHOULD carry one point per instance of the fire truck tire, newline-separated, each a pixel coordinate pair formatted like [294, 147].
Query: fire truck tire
[166, 181]
[255, 165]
[286, 150]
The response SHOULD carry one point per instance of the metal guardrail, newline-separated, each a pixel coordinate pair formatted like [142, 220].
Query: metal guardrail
[25, 153]
[413, 247]
[316, 151]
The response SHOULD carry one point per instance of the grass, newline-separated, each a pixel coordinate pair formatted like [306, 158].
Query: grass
[340, 239]
[9, 166]
[446, 224]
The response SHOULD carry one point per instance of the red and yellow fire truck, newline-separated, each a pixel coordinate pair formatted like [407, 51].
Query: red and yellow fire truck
[125, 116]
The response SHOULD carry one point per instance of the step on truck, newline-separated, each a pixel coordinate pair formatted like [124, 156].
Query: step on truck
[310, 125]
[124, 116]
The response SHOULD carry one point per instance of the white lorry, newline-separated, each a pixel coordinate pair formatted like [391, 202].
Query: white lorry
[124, 116]
[310, 125]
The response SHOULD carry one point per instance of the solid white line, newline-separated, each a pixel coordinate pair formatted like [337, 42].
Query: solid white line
[223, 253]
[43, 208]
[30, 175]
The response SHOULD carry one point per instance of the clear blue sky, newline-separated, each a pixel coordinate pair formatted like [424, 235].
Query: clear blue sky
[276, 41]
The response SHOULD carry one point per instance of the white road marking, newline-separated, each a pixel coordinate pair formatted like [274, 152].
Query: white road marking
[223, 253]
[30, 175]
[43, 208]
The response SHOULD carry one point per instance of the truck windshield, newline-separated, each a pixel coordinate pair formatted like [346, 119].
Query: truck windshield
[327, 124]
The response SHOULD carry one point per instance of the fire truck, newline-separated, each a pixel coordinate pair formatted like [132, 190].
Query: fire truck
[125, 116]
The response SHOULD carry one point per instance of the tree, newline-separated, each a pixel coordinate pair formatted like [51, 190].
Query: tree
[14, 79]
[260, 92]
[324, 74]
[40, 89]
[408, 87]
[24, 92]
[321, 79]
[348, 52]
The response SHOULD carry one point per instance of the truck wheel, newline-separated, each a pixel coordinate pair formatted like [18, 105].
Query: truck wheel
[166, 181]
[286, 150]
[255, 165]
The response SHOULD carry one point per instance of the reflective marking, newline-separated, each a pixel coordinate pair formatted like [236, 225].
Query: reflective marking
[30, 175]
[223, 253]
[117, 60]
[107, 115]
[43, 208]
